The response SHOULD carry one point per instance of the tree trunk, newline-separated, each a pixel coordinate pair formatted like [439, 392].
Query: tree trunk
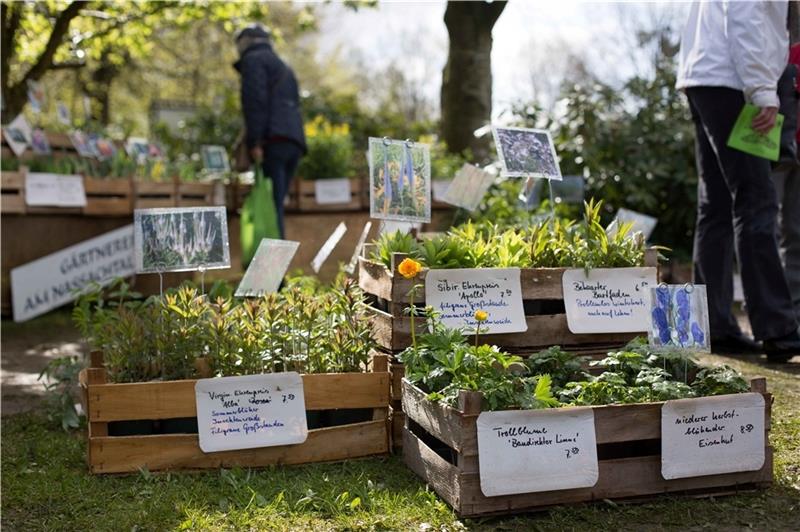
[794, 21]
[466, 97]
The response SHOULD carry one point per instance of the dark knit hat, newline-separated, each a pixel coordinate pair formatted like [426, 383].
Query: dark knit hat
[254, 30]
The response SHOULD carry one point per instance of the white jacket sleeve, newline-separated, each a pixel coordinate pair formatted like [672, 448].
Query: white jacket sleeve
[759, 47]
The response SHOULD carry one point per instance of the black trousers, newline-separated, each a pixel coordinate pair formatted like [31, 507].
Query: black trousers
[280, 163]
[736, 212]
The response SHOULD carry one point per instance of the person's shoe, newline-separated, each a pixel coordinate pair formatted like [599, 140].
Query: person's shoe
[783, 348]
[735, 345]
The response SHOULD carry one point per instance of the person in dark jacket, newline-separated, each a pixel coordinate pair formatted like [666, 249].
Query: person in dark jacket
[271, 107]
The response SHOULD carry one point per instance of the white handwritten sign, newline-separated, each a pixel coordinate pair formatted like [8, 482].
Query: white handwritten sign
[458, 293]
[328, 247]
[712, 435]
[524, 451]
[55, 279]
[250, 411]
[54, 190]
[468, 188]
[608, 300]
[332, 191]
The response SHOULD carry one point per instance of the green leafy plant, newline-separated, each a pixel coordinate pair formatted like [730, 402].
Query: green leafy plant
[60, 379]
[330, 150]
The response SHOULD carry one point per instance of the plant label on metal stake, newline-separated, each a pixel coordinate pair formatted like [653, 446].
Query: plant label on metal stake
[328, 247]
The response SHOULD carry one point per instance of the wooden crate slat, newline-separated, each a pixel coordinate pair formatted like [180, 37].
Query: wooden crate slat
[442, 421]
[109, 187]
[13, 192]
[182, 451]
[175, 399]
[441, 475]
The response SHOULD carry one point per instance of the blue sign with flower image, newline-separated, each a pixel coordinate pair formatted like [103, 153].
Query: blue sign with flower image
[679, 317]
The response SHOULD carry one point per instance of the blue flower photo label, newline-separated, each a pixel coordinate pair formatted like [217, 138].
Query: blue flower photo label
[679, 317]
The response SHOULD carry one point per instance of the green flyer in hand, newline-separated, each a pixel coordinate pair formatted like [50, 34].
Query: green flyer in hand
[745, 138]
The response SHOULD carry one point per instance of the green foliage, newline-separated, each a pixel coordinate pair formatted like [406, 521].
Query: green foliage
[719, 380]
[330, 151]
[562, 366]
[60, 379]
[311, 330]
[550, 243]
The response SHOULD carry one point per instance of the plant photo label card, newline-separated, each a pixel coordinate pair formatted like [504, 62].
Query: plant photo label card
[679, 317]
[328, 247]
[526, 152]
[527, 451]
[63, 114]
[400, 180]
[215, 159]
[468, 187]
[268, 267]
[642, 223]
[39, 143]
[351, 266]
[712, 435]
[181, 239]
[458, 293]
[18, 135]
[608, 300]
[250, 411]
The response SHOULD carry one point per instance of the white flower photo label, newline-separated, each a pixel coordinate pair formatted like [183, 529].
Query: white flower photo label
[54, 190]
[332, 191]
[608, 300]
[328, 247]
[268, 267]
[250, 411]
[468, 187]
[526, 451]
[456, 294]
[712, 435]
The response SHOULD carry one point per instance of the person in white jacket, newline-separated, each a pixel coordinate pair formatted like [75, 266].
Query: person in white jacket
[732, 53]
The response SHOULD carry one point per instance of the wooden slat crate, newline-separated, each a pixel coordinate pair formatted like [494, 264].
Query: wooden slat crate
[540, 287]
[106, 403]
[440, 444]
[13, 191]
[196, 194]
[307, 199]
[155, 195]
[108, 197]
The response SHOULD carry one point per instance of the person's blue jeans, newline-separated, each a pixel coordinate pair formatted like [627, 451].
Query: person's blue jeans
[280, 163]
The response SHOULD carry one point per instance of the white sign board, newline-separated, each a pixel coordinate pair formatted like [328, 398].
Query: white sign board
[468, 188]
[642, 223]
[712, 435]
[51, 281]
[328, 247]
[250, 411]
[332, 191]
[525, 451]
[268, 267]
[608, 300]
[457, 294]
[54, 190]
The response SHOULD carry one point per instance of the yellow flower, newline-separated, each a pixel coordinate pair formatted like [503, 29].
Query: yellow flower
[481, 316]
[409, 268]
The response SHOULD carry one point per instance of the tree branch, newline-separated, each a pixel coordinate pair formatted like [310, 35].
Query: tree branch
[60, 28]
[11, 16]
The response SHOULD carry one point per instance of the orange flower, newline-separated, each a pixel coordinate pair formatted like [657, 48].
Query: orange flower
[481, 315]
[409, 268]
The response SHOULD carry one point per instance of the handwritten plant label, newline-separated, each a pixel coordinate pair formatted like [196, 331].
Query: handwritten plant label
[712, 435]
[54, 190]
[458, 293]
[250, 411]
[608, 300]
[332, 191]
[468, 188]
[525, 451]
[266, 270]
[328, 247]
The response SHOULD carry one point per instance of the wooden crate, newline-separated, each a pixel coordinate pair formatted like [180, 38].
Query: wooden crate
[106, 403]
[155, 195]
[540, 286]
[13, 191]
[108, 197]
[440, 444]
[197, 194]
[307, 199]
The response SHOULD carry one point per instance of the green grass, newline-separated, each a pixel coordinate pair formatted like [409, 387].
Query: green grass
[45, 486]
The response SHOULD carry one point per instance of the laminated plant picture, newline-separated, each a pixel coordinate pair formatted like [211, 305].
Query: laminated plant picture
[39, 143]
[526, 153]
[400, 180]
[137, 149]
[18, 135]
[215, 159]
[679, 317]
[569, 190]
[181, 239]
[266, 270]
[82, 144]
[36, 96]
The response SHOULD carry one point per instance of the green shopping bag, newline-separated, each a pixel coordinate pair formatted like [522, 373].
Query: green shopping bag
[259, 219]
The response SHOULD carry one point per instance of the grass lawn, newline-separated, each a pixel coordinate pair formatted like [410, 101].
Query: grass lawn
[45, 486]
